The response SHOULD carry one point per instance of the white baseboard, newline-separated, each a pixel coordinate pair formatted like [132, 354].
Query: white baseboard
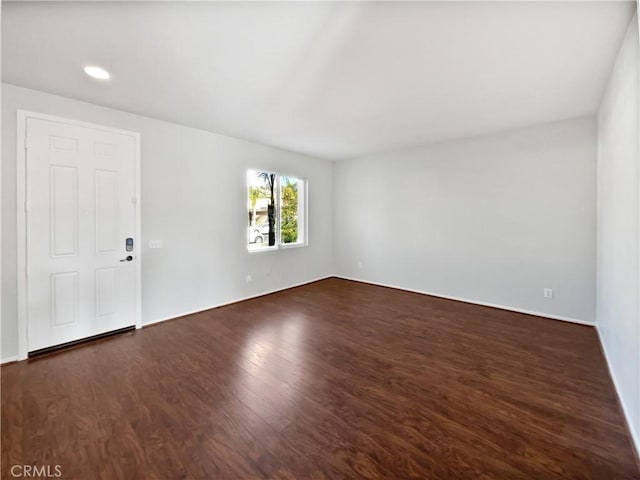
[268, 292]
[9, 360]
[635, 436]
[241, 299]
[474, 302]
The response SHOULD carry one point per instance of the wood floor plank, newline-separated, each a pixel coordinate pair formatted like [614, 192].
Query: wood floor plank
[335, 379]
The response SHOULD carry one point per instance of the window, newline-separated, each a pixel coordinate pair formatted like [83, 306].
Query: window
[276, 208]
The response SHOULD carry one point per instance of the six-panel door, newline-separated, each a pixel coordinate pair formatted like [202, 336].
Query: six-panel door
[80, 211]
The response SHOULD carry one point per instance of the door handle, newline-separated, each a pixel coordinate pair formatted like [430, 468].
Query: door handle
[128, 259]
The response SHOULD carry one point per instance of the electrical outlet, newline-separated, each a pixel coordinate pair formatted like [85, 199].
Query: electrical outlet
[155, 244]
[548, 293]
[249, 279]
[360, 264]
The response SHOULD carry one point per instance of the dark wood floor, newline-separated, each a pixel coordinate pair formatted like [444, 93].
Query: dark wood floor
[331, 380]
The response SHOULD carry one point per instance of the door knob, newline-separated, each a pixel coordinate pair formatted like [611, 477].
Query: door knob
[128, 259]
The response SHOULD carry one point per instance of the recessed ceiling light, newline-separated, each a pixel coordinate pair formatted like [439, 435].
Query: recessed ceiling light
[97, 72]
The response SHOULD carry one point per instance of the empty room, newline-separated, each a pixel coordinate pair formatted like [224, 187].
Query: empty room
[320, 240]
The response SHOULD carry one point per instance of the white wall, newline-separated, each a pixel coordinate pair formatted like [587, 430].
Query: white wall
[618, 231]
[492, 219]
[194, 198]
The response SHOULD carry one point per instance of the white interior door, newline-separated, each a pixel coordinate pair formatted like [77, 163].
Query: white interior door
[80, 210]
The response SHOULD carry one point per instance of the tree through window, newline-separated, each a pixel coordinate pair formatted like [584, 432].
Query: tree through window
[276, 210]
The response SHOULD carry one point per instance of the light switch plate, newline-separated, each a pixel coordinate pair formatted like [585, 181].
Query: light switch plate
[155, 243]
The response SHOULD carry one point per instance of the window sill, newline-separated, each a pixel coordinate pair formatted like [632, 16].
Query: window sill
[285, 246]
[275, 248]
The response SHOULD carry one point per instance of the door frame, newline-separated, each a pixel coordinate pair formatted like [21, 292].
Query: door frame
[21, 207]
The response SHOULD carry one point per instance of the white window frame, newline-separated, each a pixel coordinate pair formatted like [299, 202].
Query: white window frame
[301, 213]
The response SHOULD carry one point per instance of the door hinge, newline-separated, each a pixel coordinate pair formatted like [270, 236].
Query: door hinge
[134, 200]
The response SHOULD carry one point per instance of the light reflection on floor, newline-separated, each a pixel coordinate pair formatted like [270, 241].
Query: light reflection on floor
[273, 356]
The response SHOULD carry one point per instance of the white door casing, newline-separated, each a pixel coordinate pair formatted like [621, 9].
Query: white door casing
[81, 201]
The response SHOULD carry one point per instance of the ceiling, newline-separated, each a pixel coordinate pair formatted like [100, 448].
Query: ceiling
[332, 80]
